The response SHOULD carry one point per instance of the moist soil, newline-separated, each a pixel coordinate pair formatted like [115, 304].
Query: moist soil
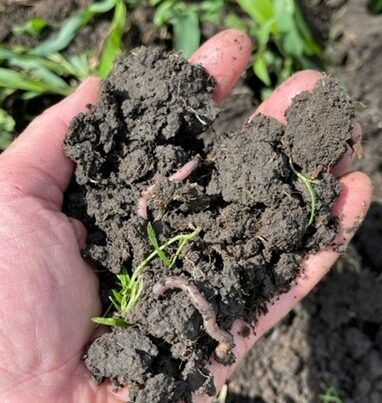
[156, 114]
[291, 363]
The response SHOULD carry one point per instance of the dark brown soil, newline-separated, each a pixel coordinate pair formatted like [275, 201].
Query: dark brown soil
[252, 208]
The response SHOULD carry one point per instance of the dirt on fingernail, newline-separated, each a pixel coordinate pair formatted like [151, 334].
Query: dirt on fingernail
[262, 196]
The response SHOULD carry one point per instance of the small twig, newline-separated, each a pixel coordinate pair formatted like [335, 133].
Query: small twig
[205, 309]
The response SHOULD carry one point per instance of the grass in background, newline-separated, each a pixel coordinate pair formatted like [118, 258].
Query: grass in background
[44, 69]
[283, 40]
[283, 44]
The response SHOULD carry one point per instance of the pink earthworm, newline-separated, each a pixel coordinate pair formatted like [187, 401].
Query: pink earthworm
[180, 175]
[205, 309]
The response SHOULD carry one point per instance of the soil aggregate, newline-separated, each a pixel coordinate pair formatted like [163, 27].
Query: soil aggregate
[151, 119]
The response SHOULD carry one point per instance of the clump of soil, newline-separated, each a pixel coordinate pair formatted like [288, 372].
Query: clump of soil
[151, 119]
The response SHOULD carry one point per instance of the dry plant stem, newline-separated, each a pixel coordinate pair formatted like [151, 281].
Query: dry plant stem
[224, 338]
[180, 175]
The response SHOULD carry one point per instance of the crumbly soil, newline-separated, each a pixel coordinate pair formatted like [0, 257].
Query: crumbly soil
[152, 118]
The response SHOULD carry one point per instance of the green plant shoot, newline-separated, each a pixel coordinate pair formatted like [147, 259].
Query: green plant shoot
[112, 46]
[284, 41]
[130, 287]
[331, 396]
[309, 185]
[32, 27]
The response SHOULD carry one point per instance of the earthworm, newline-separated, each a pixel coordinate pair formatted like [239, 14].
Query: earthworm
[179, 175]
[142, 202]
[185, 171]
[224, 338]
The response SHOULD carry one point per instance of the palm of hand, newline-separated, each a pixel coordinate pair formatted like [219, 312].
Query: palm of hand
[54, 288]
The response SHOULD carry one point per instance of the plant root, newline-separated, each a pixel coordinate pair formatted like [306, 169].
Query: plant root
[180, 175]
[224, 338]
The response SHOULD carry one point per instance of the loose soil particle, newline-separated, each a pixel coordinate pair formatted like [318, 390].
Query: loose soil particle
[252, 208]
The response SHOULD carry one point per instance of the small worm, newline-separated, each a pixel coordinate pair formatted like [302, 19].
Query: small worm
[186, 170]
[142, 202]
[180, 175]
[224, 338]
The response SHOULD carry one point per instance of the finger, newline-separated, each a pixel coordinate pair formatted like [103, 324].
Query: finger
[80, 232]
[225, 56]
[35, 162]
[279, 101]
[276, 105]
[350, 208]
[344, 166]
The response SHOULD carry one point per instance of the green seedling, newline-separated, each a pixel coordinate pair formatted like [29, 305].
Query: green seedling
[130, 287]
[284, 41]
[32, 27]
[71, 27]
[309, 185]
[112, 45]
[185, 17]
[331, 396]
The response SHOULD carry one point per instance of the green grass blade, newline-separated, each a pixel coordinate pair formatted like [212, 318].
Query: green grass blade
[28, 95]
[64, 36]
[163, 11]
[76, 66]
[260, 68]
[32, 27]
[186, 239]
[4, 93]
[331, 396]
[259, 10]
[116, 299]
[17, 81]
[313, 200]
[40, 72]
[55, 63]
[154, 242]
[311, 46]
[309, 185]
[109, 321]
[186, 32]
[112, 46]
[70, 27]
[124, 277]
[79, 65]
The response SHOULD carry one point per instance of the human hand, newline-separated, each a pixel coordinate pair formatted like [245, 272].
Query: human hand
[49, 293]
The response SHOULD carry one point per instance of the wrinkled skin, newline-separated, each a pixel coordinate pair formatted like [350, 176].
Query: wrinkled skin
[48, 293]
